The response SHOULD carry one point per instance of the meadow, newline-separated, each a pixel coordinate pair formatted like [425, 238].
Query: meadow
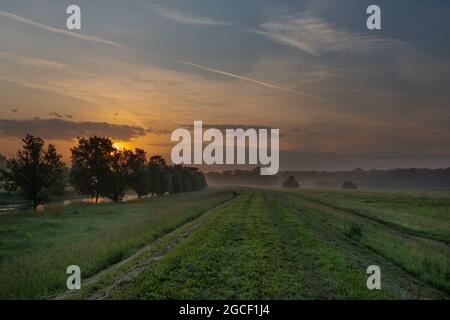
[36, 248]
[241, 243]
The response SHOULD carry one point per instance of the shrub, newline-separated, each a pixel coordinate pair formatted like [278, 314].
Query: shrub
[349, 185]
[291, 183]
[354, 232]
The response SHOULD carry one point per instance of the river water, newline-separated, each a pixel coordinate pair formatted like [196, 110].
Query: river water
[15, 207]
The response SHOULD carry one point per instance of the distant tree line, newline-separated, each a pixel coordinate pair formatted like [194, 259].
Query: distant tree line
[98, 170]
[241, 177]
[413, 178]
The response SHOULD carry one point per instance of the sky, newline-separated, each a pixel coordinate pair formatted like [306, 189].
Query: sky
[342, 96]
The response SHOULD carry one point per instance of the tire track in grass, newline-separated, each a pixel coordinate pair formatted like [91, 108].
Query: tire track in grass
[395, 276]
[310, 279]
[388, 224]
[328, 274]
[105, 283]
[177, 275]
[236, 255]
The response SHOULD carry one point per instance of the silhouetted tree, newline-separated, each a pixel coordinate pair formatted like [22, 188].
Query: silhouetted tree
[58, 188]
[186, 179]
[177, 178]
[2, 162]
[349, 185]
[196, 178]
[139, 177]
[33, 171]
[291, 183]
[91, 165]
[159, 175]
[242, 177]
[118, 176]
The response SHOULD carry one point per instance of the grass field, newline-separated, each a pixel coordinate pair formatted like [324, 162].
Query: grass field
[258, 244]
[36, 248]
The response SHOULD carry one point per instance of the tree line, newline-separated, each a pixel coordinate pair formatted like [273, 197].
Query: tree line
[401, 178]
[98, 170]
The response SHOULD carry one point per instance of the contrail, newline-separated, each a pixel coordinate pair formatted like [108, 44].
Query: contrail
[264, 84]
[61, 31]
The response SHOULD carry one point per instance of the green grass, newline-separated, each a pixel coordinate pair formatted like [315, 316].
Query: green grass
[264, 244]
[36, 248]
[255, 249]
[426, 214]
[427, 260]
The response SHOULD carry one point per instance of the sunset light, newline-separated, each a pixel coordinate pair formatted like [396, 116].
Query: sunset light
[241, 151]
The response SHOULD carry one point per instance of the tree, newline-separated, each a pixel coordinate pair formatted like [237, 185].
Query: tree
[58, 187]
[2, 162]
[291, 183]
[159, 175]
[196, 178]
[118, 175]
[91, 165]
[177, 178]
[33, 171]
[139, 178]
[187, 179]
[349, 185]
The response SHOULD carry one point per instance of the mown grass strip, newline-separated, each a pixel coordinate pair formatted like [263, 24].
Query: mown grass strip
[252, 250]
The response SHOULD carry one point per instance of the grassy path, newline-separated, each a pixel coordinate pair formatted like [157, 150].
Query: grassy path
[261, 246]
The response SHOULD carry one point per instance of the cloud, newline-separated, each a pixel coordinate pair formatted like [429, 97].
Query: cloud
[261, 83]
[158, 131]
[55, 114]
[314, 36]
[224, 127]
[31, 62]
[58, 129]
[60, 31]
[188, 19]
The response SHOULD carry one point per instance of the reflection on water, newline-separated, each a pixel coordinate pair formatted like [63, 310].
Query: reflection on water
[128, 197]
[9, 208]
[6, 208]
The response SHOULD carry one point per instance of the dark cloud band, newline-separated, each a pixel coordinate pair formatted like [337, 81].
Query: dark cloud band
[59, 129]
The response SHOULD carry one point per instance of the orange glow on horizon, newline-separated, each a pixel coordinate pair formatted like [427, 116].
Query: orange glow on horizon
[118, 145]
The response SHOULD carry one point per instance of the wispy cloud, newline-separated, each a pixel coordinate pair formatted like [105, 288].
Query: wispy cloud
[314, 36]
[261, 83]
[188, 19]
[60, 31]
